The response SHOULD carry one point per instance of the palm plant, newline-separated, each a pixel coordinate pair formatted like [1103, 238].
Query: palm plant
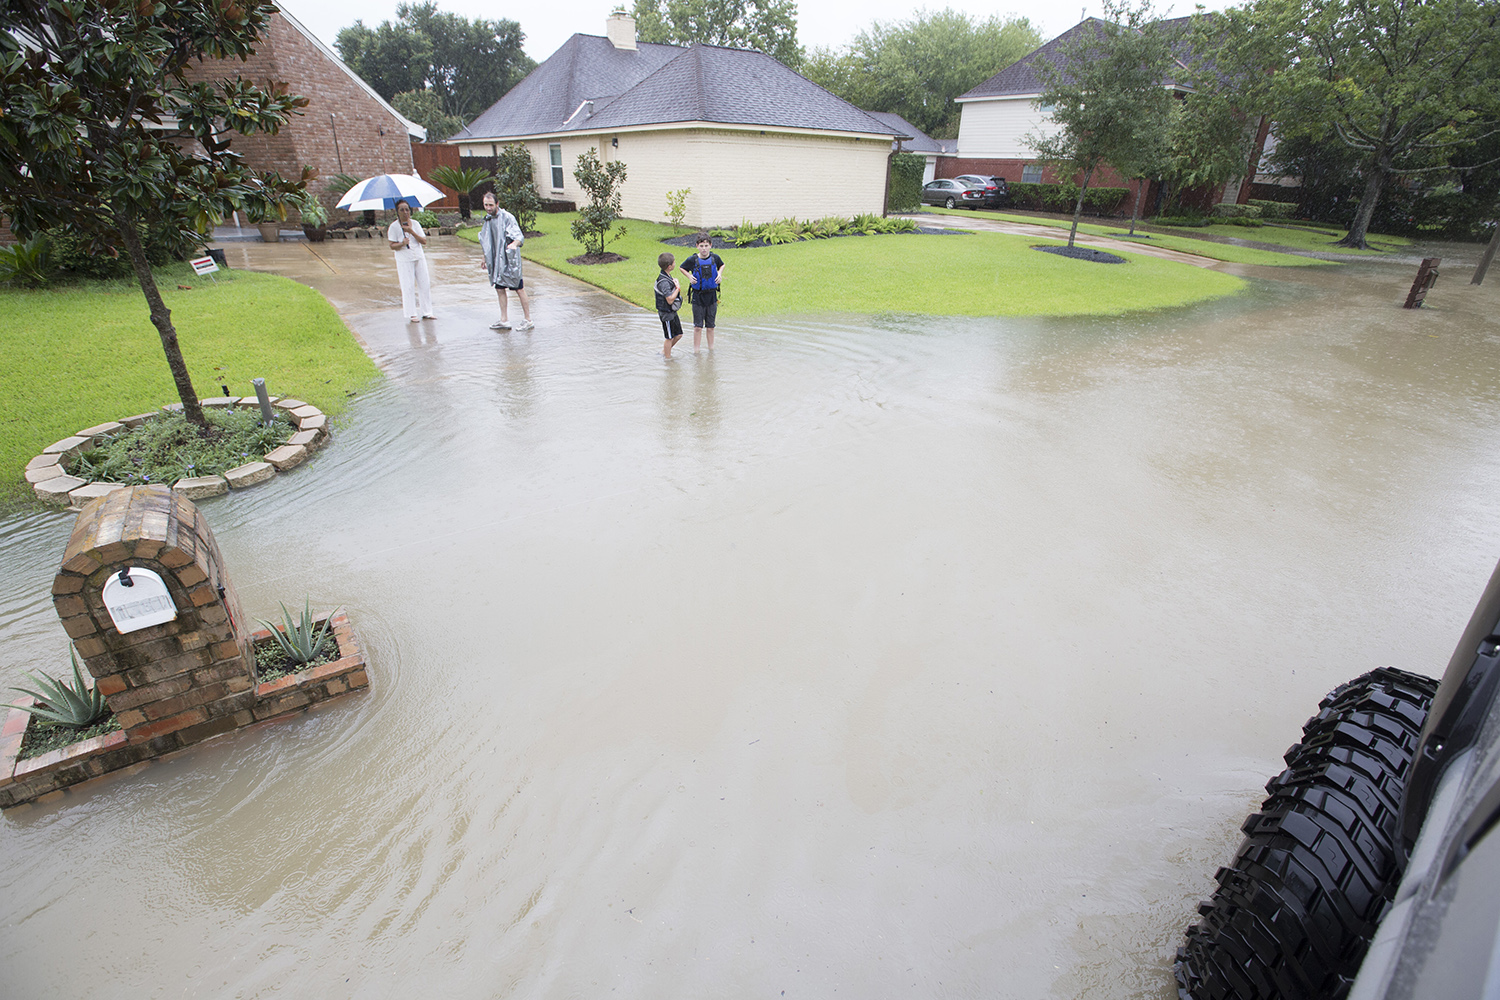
[301, 641]
[463, 181]
[73, 705]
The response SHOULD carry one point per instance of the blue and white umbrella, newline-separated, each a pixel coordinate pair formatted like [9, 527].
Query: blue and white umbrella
[384, 191]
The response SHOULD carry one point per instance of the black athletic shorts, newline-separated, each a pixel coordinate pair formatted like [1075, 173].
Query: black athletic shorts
[671, 326]
[520, 284]
[705, 308]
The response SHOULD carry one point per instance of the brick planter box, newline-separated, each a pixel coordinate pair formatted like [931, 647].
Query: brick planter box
[54, 486]
[44, 777]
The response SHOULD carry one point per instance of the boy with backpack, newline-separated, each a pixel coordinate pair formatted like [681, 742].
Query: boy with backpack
[668, 301]
[706, 272]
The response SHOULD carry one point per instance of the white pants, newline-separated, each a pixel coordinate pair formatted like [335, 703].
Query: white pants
[416, 289]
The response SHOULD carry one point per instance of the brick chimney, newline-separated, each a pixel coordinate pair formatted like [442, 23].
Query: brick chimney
[620, 29]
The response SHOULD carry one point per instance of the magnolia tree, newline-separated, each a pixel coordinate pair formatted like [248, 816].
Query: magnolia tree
[602, 183]
[103, 133]
[1106, 94]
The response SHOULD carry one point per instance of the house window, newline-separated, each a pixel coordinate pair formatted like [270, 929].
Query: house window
[554, 152]
[1031, 173]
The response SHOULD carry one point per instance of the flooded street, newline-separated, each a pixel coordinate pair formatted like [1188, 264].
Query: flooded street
[872, 658]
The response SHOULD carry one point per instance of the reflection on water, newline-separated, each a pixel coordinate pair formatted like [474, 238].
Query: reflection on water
[899, 657]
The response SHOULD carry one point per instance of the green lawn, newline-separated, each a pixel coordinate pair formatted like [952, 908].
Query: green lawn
[86, 353]
[1162, 236]
[1292, 237]
[984, 274]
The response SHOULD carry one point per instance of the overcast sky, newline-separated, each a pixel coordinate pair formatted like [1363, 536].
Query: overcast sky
[819, 22]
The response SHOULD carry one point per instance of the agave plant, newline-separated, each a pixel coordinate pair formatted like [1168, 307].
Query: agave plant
[61, 704]
[300, 641]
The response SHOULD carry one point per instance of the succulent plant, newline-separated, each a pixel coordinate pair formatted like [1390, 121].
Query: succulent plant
[301, 640]
[61, 704]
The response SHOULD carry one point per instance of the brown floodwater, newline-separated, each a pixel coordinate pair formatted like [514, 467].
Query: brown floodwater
[867, 657]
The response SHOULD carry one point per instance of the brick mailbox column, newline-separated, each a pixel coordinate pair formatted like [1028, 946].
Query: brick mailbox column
[170, 684]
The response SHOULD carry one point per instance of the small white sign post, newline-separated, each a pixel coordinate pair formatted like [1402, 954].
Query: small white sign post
[137, 598]
[205, 265]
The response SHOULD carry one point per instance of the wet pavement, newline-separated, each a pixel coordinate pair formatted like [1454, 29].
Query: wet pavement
[875, 657]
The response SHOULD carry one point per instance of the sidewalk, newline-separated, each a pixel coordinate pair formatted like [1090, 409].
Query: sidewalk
[1061, 235]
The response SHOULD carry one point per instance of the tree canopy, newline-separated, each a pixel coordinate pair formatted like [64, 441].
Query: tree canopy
[1107, 92]
[468, 65]
[424, 108]
[768, 26]
[916, 67]
[1404, 83]
[104, 134]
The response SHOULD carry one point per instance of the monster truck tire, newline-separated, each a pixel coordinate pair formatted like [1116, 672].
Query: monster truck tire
[1320, 863]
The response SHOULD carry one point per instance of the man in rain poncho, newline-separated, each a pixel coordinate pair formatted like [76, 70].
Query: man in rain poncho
[500, 239]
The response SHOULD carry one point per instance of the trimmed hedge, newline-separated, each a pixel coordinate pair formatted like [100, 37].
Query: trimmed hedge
[905, 194]
[1222, 211]
[1275, 209]
[1064, 197]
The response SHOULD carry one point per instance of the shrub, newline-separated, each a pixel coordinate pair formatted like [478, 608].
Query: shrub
[905, 194]
[677, 205]
[602, 182]
[300, 641]
[1223, 211]
[428, 220]
[462, 181]
[78, 255]
[28, 263]
[1275, 209]
[515, 185]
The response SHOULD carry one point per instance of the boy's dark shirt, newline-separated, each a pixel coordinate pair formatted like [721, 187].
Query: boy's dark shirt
[664, 288]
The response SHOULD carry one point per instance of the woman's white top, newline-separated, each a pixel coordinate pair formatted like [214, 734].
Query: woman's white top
[414, 250]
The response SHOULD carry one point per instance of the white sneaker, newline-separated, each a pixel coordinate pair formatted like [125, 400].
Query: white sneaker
[499, 324]
[525, 324]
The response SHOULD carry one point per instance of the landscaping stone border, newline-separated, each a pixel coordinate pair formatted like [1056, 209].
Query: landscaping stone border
[44, 777]
[52, 484]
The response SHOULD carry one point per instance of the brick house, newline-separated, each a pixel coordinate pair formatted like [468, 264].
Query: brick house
[346, 128]
[751, 139]
[996, 116]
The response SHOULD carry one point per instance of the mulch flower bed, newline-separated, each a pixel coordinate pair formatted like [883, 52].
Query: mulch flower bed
[597, 258]
[1083, 253]
[271, 661]
[720, 243]
[42, 739]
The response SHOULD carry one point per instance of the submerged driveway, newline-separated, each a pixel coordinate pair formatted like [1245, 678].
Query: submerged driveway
[897, 657]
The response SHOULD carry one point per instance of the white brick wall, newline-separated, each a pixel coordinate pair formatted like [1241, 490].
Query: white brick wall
[733, 175]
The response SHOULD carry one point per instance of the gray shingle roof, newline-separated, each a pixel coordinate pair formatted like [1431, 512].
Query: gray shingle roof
[661, 84]
[919, 141]
[1021, 77]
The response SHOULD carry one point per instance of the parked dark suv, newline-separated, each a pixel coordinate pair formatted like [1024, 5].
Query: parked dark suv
[995, 192]
[1372, 870]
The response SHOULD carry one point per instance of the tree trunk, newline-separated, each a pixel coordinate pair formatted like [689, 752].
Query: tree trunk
[1486, 257]
[1362, 215]
[1078, 208]
[1135, 213]
[161, 318]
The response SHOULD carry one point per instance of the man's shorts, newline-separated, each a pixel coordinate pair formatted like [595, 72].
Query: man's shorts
[705, 312]
[671, 326]
[520, 284]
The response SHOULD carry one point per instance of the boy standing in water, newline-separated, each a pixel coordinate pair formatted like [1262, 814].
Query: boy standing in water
[668, 301]
[706, 271]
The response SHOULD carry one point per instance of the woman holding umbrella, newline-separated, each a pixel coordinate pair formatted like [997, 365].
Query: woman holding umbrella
[407, 238]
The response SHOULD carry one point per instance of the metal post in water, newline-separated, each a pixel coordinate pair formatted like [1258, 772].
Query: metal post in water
[265, 400]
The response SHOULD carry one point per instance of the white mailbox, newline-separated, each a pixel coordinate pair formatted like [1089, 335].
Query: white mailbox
[137, 598]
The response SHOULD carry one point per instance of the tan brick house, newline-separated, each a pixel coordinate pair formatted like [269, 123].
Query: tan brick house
[750, 138]
[346, 128]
